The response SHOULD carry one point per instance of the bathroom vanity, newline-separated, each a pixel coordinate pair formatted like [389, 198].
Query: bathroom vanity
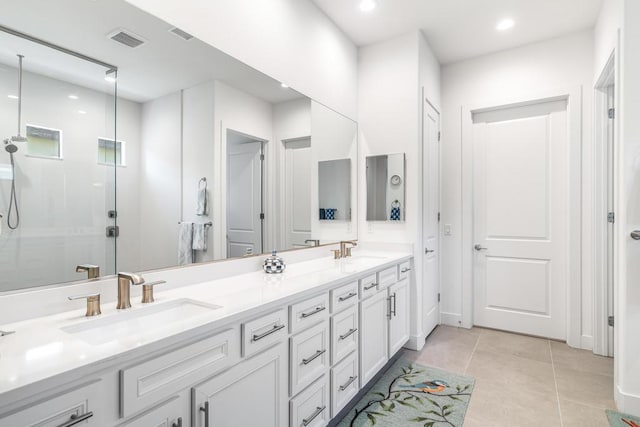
[245, 350]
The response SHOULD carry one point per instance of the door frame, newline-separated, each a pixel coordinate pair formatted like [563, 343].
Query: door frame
[603, 291]
[573, 95]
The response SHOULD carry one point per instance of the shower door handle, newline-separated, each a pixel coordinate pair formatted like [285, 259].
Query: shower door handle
[479, 248]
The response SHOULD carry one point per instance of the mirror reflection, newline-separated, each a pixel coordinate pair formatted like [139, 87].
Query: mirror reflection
[386, 187]
[335, 190]
[132, 162]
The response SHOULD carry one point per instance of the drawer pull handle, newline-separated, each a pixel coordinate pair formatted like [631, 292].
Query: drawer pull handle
[351, 380]
[77, 419]
[307, 421]
[346, 297]
[373, 285]
[314, 357]
[177, 423]
[316, 311]
[273, 330]
[404, 270]
[348, 334]
[205, 409]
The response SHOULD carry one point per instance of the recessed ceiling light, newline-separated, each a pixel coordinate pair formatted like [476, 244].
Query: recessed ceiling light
[74, 97]
[367, 5]
[505, 24]
[284, 85]
[13, 97]
[82, 112]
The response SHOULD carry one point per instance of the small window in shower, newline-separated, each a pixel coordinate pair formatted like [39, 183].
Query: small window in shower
[110, 152]
[44, 142]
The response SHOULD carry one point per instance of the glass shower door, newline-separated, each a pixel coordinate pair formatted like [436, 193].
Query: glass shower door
[61, 173]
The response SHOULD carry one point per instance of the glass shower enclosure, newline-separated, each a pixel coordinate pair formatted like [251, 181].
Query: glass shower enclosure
[58, 163]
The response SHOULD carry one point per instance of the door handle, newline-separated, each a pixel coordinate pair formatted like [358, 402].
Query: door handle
[635, 234]
[205, 409]
[479, 248]
[428, 251]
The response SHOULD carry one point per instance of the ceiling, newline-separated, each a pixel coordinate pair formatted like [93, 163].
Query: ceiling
[462, 29]
[165, 64]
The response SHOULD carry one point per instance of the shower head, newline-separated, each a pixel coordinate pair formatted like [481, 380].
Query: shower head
[11, 148]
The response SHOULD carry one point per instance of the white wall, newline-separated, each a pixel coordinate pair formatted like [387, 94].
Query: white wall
[391, 78]
[289, 40]
[160, 184]
[606, 33]
[333, 137]
[63, 203]
[244, 113]
[627, 310]
[561, 64]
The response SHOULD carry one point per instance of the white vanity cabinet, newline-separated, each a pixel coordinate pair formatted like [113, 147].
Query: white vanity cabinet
[398, 315]
[79, 407]
[296, 364]
[373, 336]
[252, 393]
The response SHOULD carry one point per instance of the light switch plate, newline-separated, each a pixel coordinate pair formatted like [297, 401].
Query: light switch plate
[447, 229]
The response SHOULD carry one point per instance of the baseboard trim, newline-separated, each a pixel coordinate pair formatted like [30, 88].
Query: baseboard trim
[586, 342]
[626, 402]
[416, 342]
[451, 319]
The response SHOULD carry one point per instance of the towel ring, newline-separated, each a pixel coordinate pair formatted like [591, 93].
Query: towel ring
[203, 179]
[395, 204]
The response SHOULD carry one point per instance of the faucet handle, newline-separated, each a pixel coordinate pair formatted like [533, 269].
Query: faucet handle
[336, 253]
[147, 291]
[93, 303]
[93, 271]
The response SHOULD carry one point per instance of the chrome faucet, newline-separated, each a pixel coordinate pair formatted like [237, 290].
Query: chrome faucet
[346, 251]
[93, 271]
[125, 280]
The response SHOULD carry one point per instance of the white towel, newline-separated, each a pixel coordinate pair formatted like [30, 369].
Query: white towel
[185, 243]
[200, 237]
[203, 198]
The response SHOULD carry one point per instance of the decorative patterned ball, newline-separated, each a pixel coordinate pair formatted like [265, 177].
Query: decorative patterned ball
[274, 264]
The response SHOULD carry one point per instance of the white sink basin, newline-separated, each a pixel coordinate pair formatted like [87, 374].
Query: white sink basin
[142, 322]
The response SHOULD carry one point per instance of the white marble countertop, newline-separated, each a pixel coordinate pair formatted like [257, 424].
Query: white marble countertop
[41, 350]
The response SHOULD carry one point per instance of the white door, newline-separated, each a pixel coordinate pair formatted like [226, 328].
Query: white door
[244, 199]
[521, 194]
[253, 393]
[297, 193]
[431, 220]
[398, 316]
[373, 336]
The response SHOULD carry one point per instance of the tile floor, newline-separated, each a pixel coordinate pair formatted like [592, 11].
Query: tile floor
[523, 381]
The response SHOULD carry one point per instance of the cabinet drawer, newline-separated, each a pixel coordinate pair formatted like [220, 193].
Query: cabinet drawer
[344, 333]
[311, 407]
[387, 277]
[263, 332]
[154, 380]
[344, 383]
[309, 356]
[344, 296]
[404, 270]
[169, 414]
[81, 403]
[368, 286]
[308, 312]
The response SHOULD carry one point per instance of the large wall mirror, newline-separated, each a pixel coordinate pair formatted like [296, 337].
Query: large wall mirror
[142, 147]
[386, 187]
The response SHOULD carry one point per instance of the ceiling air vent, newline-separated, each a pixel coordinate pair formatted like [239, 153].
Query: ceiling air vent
[180, 33]
[127, 38]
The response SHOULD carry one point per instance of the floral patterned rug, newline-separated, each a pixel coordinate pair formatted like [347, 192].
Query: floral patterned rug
[413, 395]
[617, 419]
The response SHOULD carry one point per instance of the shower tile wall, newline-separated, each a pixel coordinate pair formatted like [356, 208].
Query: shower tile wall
[64, 203]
